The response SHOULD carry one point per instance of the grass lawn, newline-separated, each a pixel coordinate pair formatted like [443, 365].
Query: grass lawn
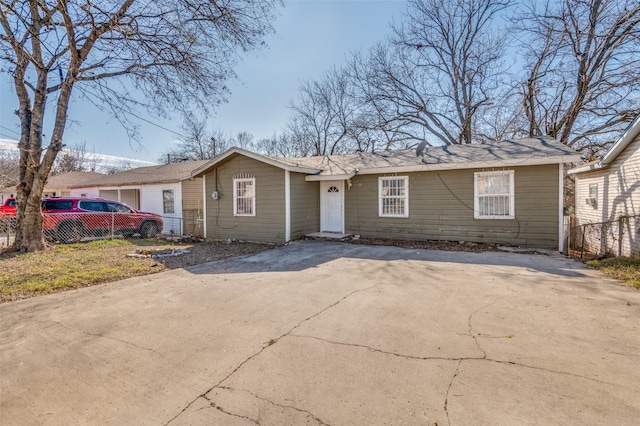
[65, 266]
[623, 268]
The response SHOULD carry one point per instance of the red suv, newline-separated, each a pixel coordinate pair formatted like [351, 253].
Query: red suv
[7, 214]
[69, 219]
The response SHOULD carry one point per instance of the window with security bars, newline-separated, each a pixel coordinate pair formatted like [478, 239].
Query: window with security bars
[244, 199]
[393, 196]
[494, 195]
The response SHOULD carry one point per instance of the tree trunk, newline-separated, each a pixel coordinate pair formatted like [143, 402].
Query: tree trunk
[29, 234]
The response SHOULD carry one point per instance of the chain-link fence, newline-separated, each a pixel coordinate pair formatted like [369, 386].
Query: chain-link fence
[76, 227]
[7, 231]
[618, 237]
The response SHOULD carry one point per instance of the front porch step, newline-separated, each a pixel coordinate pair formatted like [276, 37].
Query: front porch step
[328, 236]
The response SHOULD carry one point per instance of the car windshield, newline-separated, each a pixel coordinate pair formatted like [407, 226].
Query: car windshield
[118, 208]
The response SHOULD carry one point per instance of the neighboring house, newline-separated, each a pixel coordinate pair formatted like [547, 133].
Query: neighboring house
[506, 192]
[7, 192]
[169, 190]
[608, 197]
[57, 186]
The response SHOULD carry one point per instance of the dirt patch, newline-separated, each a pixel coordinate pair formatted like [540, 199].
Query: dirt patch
[209, 252]
[427, 245]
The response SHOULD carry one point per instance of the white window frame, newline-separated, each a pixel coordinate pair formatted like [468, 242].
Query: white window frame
[236, 197]
[477, 196]
[382, 197]
[164, 203]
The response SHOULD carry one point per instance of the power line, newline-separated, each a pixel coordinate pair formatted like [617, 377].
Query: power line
[10, 130]
[6, 136]
[155, 124]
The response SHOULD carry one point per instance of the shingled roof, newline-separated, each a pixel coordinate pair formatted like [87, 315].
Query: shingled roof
[491, 154]
[173, 172]
[508, 153]
[67, 180]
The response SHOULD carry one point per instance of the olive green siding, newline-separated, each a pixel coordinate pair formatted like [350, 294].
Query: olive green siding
[192, 207]
[441, 208]
[305, 206]
[268, 225]
[192, 194]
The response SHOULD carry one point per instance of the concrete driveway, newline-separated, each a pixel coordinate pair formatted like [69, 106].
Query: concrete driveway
[330, 333]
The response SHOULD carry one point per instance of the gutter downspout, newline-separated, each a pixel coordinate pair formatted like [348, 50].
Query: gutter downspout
[287, 205]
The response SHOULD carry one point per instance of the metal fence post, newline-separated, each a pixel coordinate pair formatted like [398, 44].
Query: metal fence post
[584, 230]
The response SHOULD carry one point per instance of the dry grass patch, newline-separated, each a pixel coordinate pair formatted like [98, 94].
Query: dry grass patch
[623, 268]
[62, 267]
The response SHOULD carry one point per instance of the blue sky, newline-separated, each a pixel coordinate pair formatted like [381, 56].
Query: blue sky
[311, 37]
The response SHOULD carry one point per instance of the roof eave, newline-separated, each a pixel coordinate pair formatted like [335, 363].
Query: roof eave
[316, 178]
[585, 169]
[258, 157]
[627, 137]
[128, 184]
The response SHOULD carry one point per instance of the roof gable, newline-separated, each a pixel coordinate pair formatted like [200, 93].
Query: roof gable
[628, 136]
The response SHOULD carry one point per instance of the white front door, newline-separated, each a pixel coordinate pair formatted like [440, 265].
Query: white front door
[331, 206]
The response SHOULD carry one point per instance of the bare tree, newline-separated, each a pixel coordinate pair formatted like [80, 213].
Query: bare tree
[282, 145]
[324, 114]
[439, 72]
[177, 52]
[244, 140]
[9, 168]
[75, 159]
[200, 143]
[120, 166]
[583, 70]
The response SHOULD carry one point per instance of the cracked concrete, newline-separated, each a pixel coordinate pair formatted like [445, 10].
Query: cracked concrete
[330, 334]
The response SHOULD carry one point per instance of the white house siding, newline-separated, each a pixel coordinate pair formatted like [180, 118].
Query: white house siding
[151, 201]
[84, 192]
[109, 194]
[618, 202]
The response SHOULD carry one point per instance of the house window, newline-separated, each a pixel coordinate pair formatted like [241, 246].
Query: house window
[494, 195]
[593, 195]
[244, 198]
[393, 196]
[168, 204]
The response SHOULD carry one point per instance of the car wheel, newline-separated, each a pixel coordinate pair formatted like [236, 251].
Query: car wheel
[70, 232]
[149, 230]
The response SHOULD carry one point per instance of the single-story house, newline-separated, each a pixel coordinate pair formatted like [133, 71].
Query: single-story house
[7, 192]
[57, 186]
[506, 192]
[608, 198]
[169, 190]
[60, 185]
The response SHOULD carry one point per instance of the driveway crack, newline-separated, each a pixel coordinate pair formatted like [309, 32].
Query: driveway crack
[212, 404]
[566, 373]
[271, 343]
[446, 398]
[372, 349]
[471, 333]
[121, 341]
[308, 413]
